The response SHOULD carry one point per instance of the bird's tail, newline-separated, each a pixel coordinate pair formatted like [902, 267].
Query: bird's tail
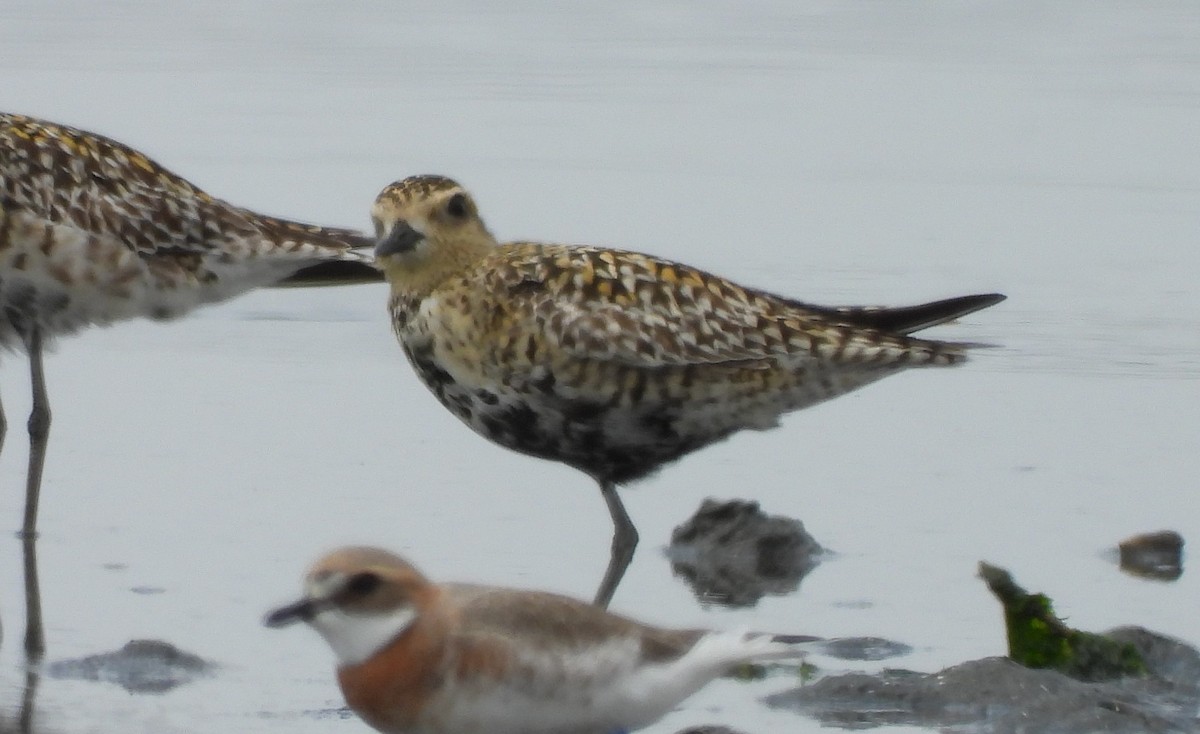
[332, 272]
[749, 647]
[340, 256]
[908, 319]
[782, 647]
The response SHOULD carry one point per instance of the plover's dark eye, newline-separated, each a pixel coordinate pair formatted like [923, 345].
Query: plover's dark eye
[457, 206]
[361, 584]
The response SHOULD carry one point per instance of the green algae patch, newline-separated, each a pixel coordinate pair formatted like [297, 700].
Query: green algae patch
[1037, 638]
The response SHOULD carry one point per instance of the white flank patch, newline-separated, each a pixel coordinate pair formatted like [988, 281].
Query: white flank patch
[650, 691]
[606, 688]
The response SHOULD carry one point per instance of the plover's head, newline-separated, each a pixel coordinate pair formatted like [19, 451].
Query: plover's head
[360, 599]
[424, 221]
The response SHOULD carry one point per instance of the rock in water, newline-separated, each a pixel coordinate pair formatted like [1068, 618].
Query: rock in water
[141, 666]
[1153, 555]
[732, 553]
[997, 695]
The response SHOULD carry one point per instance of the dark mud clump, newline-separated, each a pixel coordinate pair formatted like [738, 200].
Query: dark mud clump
[141, 666]
[1153, 555]
[732, 553]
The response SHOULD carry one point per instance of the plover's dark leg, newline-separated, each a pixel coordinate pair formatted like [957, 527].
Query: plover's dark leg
[624, 542]
[33, 678]
[39, 433]
[35, 636]
[3, 427]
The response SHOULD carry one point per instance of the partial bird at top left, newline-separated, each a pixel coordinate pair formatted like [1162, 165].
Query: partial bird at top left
[93, 232]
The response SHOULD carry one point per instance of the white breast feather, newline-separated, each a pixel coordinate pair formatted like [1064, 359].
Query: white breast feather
[356, 637]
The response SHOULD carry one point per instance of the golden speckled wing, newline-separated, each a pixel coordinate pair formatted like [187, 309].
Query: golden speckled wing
[616, 306]
[76, 178]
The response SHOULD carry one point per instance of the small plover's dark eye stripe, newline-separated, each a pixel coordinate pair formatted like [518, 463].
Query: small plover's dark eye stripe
[361, 584]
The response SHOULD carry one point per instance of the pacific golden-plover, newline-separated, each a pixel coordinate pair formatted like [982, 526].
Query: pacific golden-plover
[417, 657]
[93, 232]
[616, 362]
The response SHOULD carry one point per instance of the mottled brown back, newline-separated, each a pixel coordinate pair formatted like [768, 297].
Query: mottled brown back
[533, 620]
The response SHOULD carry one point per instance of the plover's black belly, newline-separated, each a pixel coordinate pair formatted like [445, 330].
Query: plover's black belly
[612, 443]
[612, 440]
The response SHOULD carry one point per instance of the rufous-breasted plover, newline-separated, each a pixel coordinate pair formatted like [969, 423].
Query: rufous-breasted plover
[417, 657]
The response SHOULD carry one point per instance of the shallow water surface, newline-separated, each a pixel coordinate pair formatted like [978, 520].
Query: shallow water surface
[841, 152]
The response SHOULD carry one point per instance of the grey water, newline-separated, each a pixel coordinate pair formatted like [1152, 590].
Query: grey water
[839, 152]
